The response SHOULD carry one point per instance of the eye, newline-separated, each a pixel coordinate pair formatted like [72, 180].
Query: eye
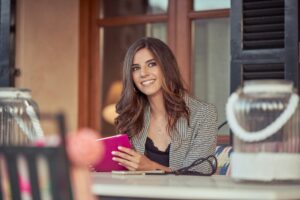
[135, 68]
[152, 64]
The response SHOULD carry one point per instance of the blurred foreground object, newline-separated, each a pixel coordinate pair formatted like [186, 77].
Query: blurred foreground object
[264, 117]
[41, 170]
[19, 123]
[83, 148]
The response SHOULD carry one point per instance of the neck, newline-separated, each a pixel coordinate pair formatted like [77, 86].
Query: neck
[157, 105]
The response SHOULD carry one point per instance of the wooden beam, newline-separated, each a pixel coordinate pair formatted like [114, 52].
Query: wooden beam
[183, 40]
[223, 140]
[84, 64]
[89, 100]
[172, 25]
[209, 14]
[95, 99]
[131, 20]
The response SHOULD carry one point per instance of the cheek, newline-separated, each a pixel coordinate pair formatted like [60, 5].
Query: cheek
[160, 76]
[160, 83]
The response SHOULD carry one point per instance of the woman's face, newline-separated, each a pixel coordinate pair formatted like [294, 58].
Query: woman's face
[146, 73]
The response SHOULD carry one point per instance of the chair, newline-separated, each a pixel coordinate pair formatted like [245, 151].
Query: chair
[56, 160]
[222, 154]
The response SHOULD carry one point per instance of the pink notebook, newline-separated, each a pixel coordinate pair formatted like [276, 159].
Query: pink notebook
[106, 164]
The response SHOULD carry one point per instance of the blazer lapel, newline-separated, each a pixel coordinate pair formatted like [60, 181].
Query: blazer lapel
[181, 131]
[179, 137]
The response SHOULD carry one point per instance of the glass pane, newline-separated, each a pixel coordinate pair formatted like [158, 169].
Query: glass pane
[132, 7]
[211, 62]
[114, 44]
[211, 4]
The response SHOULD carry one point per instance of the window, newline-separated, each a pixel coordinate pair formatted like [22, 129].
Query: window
[196, 31]
[211, 63]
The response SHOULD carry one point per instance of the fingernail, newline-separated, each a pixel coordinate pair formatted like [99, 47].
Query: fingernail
[113, 152]
[119, 147]
[114, 158]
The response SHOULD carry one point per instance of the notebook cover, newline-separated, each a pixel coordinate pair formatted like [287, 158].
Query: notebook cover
[106, 164]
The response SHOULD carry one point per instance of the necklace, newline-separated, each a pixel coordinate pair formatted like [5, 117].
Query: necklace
[158, 126]
[159, 131]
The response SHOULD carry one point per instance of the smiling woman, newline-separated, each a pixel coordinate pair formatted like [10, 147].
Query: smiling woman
[168, 128]
[147, 75]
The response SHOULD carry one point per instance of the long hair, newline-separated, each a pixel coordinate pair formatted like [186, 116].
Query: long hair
[133, 102]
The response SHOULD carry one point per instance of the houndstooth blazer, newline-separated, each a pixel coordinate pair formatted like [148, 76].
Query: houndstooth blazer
[188, 143]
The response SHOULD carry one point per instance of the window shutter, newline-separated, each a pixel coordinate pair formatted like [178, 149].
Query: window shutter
[7, 43]
[264, 40]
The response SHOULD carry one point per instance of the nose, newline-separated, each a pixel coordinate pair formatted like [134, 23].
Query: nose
[144, 71]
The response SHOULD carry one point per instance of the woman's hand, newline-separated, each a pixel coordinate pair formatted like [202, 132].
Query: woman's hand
[132, 160]
[135, 161]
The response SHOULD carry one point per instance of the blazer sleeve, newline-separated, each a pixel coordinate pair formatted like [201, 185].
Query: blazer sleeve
[203, 142]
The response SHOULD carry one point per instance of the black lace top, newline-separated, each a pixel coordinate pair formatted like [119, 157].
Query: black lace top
[154, 154]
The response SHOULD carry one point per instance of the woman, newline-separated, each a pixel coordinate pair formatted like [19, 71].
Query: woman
[168, 129]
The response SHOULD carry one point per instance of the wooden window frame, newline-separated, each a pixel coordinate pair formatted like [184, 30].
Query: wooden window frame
[90, 68]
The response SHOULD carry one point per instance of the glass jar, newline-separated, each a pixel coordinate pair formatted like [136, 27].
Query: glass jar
[264, 117]
[19, 123]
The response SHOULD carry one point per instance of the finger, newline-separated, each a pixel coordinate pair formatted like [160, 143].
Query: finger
[125, 162]
[127, 167]
[123, 155]
[128, 150]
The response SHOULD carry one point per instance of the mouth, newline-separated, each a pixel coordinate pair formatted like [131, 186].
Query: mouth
[147, 82]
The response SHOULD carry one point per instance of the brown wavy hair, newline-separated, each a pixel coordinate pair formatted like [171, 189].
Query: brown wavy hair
[133, 102]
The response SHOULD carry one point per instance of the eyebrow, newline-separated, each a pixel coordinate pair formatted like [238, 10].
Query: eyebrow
[148, 61]
[151, 60]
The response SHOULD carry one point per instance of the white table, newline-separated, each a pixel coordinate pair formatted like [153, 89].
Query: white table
[188, 187]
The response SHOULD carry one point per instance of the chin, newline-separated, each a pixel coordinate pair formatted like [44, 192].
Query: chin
[147, 93]
[151, 93]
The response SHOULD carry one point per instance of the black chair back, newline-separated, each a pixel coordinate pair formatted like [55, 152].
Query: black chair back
[57, 167]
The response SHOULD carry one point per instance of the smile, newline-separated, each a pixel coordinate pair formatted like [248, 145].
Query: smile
[147, 82]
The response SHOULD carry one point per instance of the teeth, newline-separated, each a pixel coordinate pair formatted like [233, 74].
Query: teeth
[147, 82]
